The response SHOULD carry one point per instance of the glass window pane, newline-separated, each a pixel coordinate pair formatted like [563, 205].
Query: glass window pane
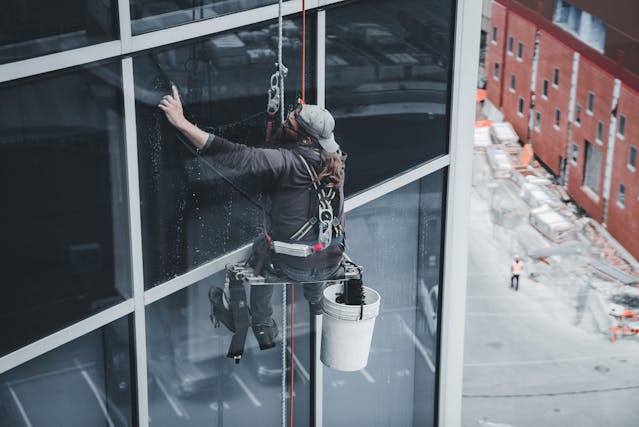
[404, 268]
[387, 84]
[194, 383]
[37, 27]
[86, 382]
[149, 15]
[191, 215]
[64, 214]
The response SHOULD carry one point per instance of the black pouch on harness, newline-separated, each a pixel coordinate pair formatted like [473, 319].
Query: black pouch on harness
[219, 312]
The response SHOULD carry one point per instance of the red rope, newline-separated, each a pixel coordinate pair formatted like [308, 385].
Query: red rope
[292, 350]
[303, 49]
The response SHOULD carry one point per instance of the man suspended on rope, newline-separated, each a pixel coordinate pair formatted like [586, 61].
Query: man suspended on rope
[302, 173]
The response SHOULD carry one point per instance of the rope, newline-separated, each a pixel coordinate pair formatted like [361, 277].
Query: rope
[279, 58]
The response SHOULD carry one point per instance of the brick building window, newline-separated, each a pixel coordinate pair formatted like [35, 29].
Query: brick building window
[496, 72]
[578, 115]
[600, 132]
[538, 121]
[555, 77]
[632, 158]
[592, 167]
[544, 89]
[621, 195]
[511, 42]
[513, 83]
[557, 118]
[520, 106]
[575, 154]
[494, 39]
[591, 103]
[621, 128]
[520, 50]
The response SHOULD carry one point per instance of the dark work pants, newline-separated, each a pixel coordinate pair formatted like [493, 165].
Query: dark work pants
[514, 281]
[261, 308]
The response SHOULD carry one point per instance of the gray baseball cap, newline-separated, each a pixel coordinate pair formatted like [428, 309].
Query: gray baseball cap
[319, 124]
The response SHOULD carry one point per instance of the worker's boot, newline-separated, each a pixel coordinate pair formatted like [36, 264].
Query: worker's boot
[265, 334]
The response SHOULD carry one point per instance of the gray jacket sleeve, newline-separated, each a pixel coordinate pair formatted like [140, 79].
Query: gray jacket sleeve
[268, 164]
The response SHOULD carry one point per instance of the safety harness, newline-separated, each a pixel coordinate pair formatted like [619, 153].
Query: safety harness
[329, 228]
[230, 307]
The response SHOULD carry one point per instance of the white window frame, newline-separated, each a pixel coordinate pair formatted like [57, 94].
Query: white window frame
[621, 126]
[555, 77]
[621, 196]
[513, 83]
[590, 103]
[557, 123]
[496, 71]
[538, 121]
[600, 130]
[493, 40]
[510, 45]
[629, 165]
[544, 89]
[521, 102]
[577, 120]
[520, 51]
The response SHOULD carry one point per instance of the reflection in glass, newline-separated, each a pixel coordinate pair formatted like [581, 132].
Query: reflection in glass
[64, 214]
[86, 382]
[37, 27]
[149, 15]
[189, 214]
[404, 267]
[387, 84]
[193, 383]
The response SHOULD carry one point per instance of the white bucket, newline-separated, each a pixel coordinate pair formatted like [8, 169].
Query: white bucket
[346, 340]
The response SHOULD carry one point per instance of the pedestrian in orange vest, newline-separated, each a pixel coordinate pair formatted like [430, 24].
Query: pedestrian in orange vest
[516, 268]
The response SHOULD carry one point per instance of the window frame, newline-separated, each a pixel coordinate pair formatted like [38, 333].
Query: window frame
[557, 124]
[574, 155]
[621, 126]
[600, 132]
[632, 158]
[544, 89]
[520, 51]
[555, 77]
[510, 45]
[590, 103]
[538, 121]
[496, 71]
[520, 106]
[494, 35]
[621, 196]
[513, 83]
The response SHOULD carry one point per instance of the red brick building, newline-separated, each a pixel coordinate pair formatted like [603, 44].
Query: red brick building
[565, 73]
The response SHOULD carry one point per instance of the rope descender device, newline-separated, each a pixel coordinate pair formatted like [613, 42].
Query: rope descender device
[275, 98]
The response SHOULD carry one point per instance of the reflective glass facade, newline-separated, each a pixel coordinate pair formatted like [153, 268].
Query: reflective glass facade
[115, 229]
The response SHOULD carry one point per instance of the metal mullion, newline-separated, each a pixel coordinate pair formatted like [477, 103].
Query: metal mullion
[60, 60]
[135, 224]
[453, 295]
[124, 17]
[215, 25]
[187, 279]
[395, 183]
[65, 335]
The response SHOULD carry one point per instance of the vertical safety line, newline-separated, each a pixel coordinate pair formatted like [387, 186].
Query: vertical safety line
[136, 242]
[280, 66]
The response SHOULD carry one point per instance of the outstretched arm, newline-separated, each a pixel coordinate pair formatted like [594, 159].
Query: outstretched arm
[172, 107]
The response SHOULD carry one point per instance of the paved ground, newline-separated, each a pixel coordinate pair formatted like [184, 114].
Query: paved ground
[539, 356]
